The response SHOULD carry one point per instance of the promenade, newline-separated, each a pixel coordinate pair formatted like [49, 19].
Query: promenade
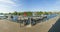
[9, 26]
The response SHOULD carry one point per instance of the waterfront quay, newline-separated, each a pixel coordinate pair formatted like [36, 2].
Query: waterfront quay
[24, 20]
[9, 26]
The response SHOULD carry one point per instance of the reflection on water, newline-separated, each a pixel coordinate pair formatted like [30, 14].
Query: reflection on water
[51, 16]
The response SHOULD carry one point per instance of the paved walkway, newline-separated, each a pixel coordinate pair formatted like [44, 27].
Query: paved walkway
[8, 26]
[44, 26]
[55, 27]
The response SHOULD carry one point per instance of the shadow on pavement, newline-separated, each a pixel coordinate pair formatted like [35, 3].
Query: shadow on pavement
[55, 27]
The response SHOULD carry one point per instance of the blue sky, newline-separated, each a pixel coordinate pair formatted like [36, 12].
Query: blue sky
[45, 5]
[29, 5]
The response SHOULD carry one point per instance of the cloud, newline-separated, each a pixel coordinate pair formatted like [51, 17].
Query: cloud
[7, 1]
[9, 5]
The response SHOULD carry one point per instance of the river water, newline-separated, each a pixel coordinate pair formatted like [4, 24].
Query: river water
[51, 16]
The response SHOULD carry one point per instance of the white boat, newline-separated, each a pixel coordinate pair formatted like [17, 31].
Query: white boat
[2, 16]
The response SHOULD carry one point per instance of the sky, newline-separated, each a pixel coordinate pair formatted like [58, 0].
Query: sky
[7, 6]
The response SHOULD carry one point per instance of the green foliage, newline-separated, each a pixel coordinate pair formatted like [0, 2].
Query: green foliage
[39, 13]
[46, 13]
[10, 13]
[29, 13]
[15, 13]
[21, 13]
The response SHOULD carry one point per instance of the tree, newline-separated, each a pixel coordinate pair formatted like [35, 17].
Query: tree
[15, 13]
[29, 13]
[46, 13]
[39, 13]
[10, 13]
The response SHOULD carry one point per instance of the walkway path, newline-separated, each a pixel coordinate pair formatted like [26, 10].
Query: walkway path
[43, 27]
[8, 26]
